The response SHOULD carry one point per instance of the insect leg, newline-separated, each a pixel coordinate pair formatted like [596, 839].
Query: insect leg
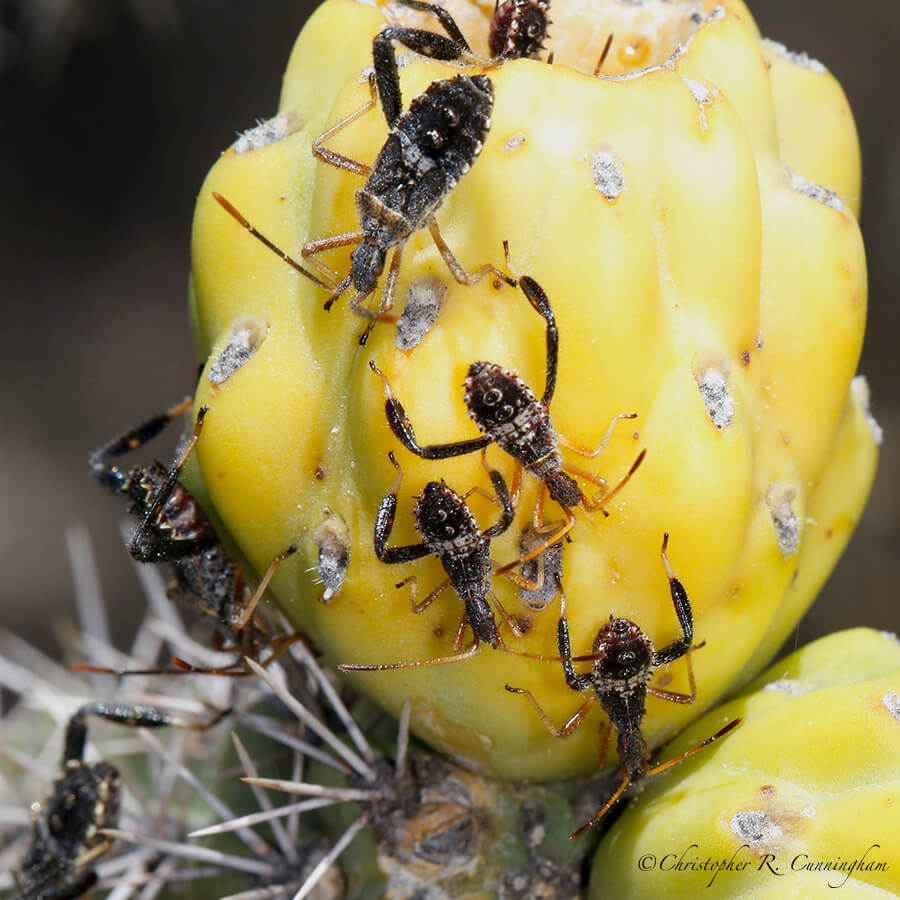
[111, 476]
[564, 730]
[245, 616]
[626, 780]
[233, 211]
[381, 312]
[682, 604]
[334, 158]
[599, 502]
[456, 270]
[655, 770]
[581, 450]
[384, 524]
[537, 297]
[403, 430]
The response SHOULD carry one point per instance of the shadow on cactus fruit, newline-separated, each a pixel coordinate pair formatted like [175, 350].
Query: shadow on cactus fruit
[701, 257]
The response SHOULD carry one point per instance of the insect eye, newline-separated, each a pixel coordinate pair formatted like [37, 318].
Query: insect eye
[493, 397]
[534, 30]
[451, 116]
[505, 412]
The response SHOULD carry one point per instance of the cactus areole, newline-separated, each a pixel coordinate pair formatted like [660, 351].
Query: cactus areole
[690, 212]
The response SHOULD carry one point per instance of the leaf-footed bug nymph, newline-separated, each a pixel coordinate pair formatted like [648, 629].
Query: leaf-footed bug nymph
[507, 412]
[174, 529]
[450, 532]
[67, 829]
[623, 661]
[429, 148]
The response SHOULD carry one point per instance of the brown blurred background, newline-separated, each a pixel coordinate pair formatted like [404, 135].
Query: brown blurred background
[111, 111]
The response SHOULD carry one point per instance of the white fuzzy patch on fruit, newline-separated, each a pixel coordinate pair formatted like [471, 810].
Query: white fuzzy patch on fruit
[817, 192]
[859, 389]
[718, 401]
[890, 636]
[787, 527]
[702, 95]
[263, 133]
[246, 338]
[332, 537]
[804, 60]
[607, 174]
[423, 305]
[756, 828]
[789, 686]
[891, 703]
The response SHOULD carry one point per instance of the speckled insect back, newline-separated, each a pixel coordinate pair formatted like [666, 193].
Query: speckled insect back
[693, 280]
[519, 28]
[431, 147]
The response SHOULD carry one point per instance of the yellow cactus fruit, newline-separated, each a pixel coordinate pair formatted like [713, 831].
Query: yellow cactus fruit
[801, 800]
[692, 224]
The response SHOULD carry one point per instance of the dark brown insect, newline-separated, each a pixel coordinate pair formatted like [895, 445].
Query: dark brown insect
[430, 147]
[174, 529]
[508, 413]
[519, 28]
[66, 838]
[624, 660]
[450, 532]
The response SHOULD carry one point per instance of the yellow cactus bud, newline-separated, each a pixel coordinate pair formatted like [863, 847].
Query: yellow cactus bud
[806, 786]
[701, 278]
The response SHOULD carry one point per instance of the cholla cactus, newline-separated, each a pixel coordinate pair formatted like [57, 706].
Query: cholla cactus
[685, 194]
[700, 251]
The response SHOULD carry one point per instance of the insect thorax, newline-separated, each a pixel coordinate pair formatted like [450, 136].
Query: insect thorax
[433, 144]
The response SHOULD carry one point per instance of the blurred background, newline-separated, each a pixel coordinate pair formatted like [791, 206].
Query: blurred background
[111, 112]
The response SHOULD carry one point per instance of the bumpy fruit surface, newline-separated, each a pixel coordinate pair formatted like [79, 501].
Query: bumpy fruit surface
[812, 776]
[701, 278]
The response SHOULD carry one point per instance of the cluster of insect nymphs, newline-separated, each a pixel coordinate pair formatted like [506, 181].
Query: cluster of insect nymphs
[430, 146]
